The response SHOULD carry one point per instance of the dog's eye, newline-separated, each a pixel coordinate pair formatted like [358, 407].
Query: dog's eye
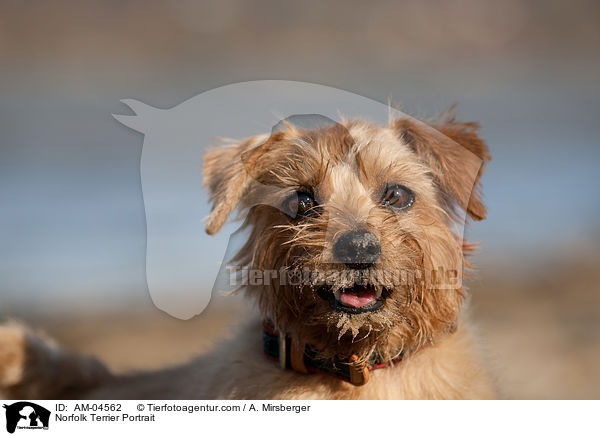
[299, 204]
[398, 197]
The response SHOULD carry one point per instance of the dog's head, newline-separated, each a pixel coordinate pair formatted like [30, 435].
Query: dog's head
[353, 227]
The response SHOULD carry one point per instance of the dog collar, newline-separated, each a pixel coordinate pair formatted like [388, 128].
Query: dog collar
[280, 348]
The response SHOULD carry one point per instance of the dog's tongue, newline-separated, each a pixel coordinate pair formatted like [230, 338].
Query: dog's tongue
[358, 296]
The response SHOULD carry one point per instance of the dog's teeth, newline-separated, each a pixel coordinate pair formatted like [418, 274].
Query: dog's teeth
[337, 294]
[379, 292]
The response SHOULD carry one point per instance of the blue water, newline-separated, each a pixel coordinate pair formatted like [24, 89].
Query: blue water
[72, 217]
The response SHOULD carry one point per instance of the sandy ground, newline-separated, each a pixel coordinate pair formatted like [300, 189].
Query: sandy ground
[541, 333]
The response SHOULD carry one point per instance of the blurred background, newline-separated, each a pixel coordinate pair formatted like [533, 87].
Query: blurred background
[72, 224]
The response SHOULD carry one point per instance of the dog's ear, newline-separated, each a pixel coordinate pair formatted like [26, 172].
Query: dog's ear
[227, 174]
[456, 155]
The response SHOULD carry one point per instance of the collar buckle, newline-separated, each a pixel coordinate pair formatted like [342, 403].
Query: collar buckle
[359, 372]
[282, 351]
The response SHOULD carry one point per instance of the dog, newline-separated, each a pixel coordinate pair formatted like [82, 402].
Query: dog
[354, 230]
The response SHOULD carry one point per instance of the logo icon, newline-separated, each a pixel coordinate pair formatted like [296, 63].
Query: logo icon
[26, 415]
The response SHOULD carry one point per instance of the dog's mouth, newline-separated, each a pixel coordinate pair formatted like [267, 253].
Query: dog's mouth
[355, 299]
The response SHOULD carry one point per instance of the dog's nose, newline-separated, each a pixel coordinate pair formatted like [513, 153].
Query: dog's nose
[358, 249]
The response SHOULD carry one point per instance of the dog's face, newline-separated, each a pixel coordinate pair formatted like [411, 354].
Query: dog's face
[355, 227]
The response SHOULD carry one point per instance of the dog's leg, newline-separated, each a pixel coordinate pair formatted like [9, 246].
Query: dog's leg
[34, 367]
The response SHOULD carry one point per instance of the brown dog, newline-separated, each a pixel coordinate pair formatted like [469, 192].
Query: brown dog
[354, 236]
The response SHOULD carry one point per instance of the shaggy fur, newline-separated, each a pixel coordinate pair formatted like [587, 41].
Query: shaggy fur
[347, 168]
